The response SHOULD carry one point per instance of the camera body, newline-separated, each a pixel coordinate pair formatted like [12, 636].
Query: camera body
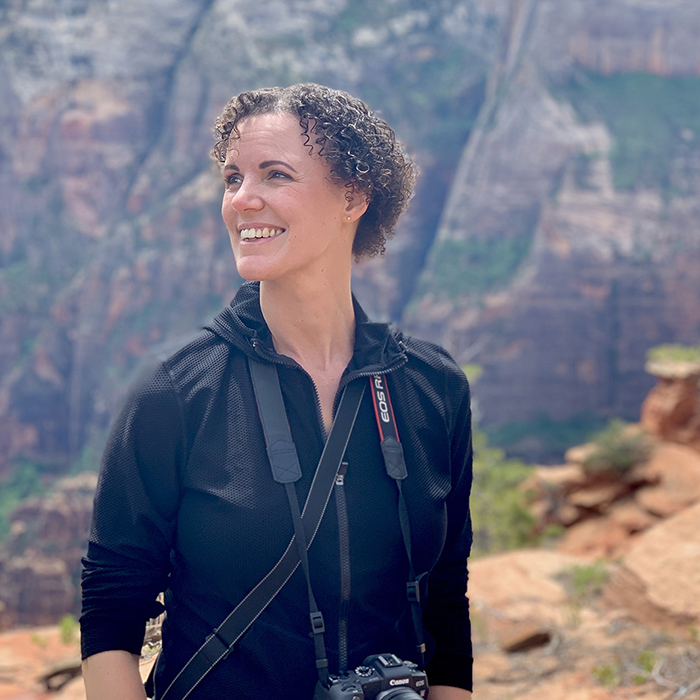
[380, 677]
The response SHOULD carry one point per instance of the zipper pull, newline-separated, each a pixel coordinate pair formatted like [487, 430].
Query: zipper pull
[340, 476]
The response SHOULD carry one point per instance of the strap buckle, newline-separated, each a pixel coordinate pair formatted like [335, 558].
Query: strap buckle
[413, 591]
[318, 626]
[221, 641]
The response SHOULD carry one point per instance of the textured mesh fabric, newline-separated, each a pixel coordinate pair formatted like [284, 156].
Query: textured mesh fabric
[186, 503]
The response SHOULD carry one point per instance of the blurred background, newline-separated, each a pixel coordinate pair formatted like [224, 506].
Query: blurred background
[553, 242]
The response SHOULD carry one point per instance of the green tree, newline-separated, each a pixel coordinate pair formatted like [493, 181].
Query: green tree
[500, 517]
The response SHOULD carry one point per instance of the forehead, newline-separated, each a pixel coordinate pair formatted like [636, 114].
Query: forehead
[278, 134]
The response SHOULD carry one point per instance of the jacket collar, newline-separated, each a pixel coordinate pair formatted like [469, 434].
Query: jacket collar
[378, 348]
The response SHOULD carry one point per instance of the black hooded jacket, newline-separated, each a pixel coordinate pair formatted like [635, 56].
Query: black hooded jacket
[186, 504]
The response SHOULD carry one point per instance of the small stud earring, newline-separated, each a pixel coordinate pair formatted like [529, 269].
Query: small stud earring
[348, 218]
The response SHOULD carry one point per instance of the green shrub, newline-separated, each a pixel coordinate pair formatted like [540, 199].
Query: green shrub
[69, 627]
[617, 449]
[500, 516]
[584, 583]
[646, 660]
[587, 581]
[674, 353]
[608, 675]
[473, 372]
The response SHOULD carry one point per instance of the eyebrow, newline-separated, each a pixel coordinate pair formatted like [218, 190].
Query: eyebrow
[263, 165]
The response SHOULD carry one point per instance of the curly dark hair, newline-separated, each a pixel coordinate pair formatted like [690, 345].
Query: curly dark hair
[360, 148]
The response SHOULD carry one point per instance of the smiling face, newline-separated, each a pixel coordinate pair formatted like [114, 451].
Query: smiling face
[284, 213]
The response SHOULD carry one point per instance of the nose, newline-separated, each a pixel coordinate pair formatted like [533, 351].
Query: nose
[246, 197]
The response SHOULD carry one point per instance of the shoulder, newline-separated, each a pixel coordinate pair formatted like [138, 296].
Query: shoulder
[199, 363]
[435, 360]
[437, 376]
[172, 377]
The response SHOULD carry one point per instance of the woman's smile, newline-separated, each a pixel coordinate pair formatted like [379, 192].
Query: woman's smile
[256, 232]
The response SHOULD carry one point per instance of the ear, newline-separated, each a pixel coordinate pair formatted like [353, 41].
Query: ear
[356, 204]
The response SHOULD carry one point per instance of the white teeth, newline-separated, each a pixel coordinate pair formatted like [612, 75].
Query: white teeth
[266, 232]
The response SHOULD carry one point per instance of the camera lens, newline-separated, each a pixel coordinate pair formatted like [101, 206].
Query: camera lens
[399, 694]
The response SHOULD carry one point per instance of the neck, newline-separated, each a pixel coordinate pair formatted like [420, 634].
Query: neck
[312, 322]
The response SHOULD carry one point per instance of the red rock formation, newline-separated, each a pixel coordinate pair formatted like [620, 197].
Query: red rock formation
[606, 270]
[659, 581]
[604, 514]
[676, 471]
[672, 409]
[40, 561]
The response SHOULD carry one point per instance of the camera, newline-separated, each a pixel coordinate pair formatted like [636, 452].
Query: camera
[380, 677]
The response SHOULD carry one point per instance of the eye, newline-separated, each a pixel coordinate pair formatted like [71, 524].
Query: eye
[233, 179]
[279, 175]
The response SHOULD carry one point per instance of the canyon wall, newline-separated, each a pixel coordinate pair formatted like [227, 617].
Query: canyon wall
[111, 243]
[537, 245]
[569, 243]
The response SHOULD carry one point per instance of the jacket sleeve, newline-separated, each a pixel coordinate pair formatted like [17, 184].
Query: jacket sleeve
[446, 614]
[128, 557]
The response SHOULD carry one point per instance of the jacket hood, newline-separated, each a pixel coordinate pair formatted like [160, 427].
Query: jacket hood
[378, 347]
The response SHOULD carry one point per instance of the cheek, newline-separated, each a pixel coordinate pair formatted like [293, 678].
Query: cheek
[227, 211]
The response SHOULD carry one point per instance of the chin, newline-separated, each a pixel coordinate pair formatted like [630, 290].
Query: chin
[254, 273]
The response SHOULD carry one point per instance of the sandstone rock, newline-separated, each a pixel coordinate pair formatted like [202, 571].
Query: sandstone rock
[95, 107]
[567, 495]
[547, 490]
[523, 637]
[37, 590]
[26, 654]
[631, 517]
[596, 537]
[40, 560]
[579, 453]
[598, 497]
[677, 469]
[680, 370]
[672, 408]
[74, 690]
[568, 514]
[491, 667]
[59, 675]
[573, 686]
[521, 585]
[659, 582]
[561, 479]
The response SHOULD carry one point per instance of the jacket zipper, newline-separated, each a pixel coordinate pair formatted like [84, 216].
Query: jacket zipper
[360, 375]
[344, 548]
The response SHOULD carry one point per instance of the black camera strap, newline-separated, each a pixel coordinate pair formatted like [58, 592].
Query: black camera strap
[396, 469]
[285, 468]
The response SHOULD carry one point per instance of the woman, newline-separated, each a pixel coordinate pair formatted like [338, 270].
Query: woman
[186, 502]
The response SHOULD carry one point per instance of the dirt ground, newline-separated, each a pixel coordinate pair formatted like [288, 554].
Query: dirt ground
[27, 654]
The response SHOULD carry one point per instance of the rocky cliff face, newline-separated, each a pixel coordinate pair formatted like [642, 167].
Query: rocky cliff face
[111, 243]
[40, 559]
[557, 260]
[567, 246]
